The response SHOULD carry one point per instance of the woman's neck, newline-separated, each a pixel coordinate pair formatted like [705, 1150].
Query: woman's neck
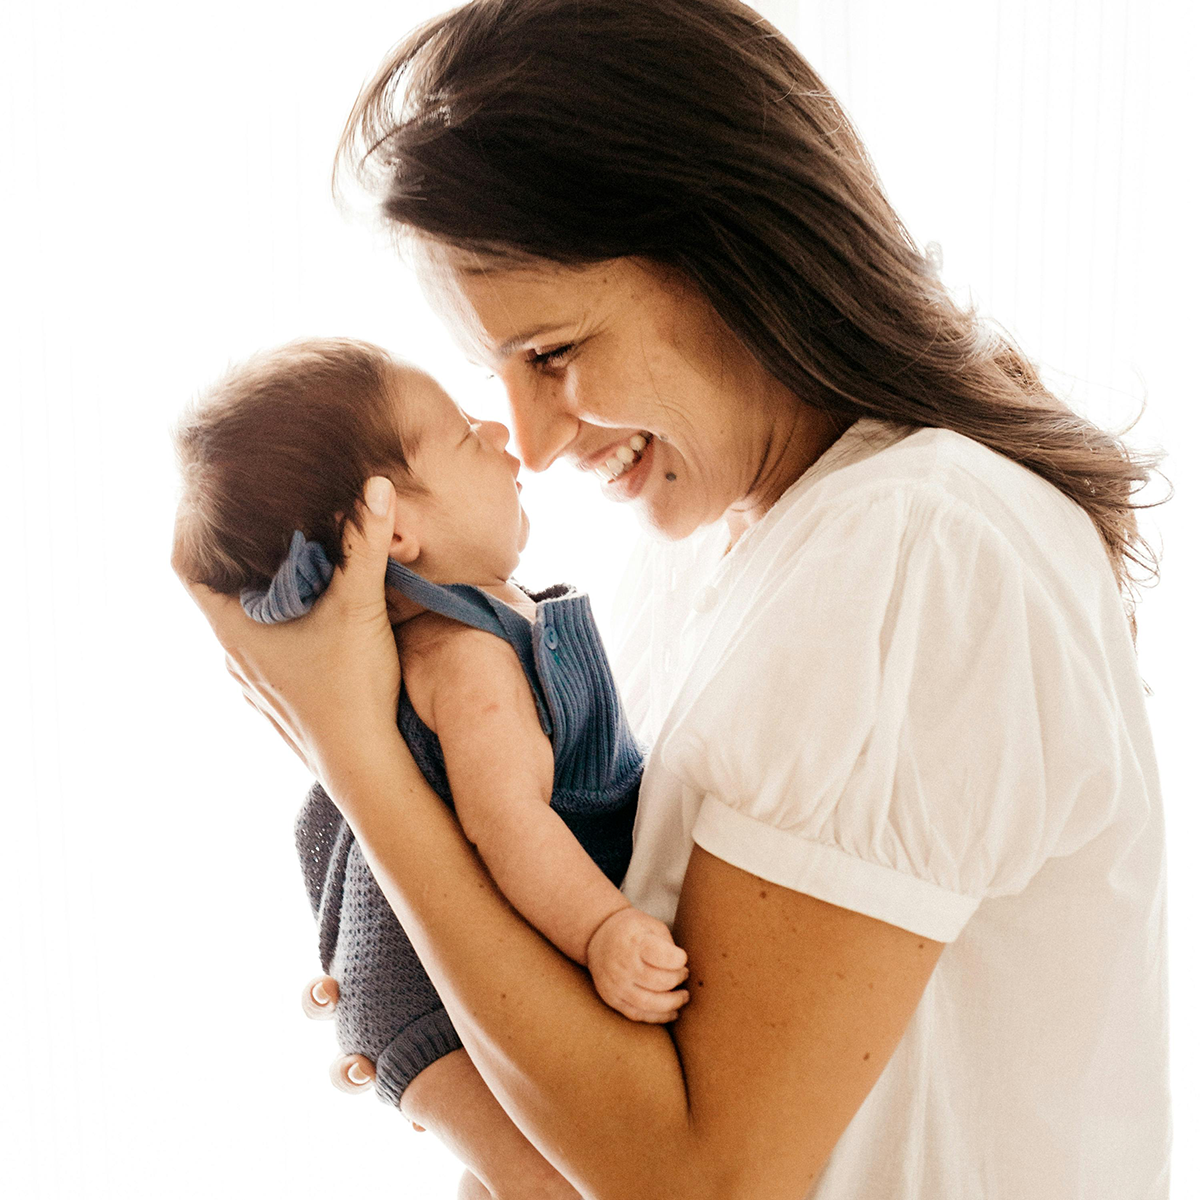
[796, 446]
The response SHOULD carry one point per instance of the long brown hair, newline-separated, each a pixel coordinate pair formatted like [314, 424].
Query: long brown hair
[692, 133]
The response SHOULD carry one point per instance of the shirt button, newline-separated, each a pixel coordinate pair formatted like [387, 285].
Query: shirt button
[550, 638]
[706, 599]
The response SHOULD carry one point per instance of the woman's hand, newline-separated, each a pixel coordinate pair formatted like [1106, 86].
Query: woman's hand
[351, 1073]
[329, 682]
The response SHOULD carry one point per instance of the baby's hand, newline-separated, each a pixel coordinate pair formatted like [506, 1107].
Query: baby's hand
[635, 964]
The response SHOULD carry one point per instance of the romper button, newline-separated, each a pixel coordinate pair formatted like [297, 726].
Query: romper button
[550, 637]
[706, 600]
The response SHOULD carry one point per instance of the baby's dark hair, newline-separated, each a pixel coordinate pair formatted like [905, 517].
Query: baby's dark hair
[285, 441]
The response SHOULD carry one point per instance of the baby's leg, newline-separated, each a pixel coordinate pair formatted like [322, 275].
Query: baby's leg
[450, 1098]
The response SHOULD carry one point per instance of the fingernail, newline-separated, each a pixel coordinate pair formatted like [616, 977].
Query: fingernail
[378, 494]
[356, 1074]
[319, 994]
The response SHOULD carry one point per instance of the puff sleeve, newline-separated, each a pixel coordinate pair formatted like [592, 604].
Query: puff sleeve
[905, 722]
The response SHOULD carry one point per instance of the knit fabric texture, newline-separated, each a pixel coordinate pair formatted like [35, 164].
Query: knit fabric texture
[388, 1009]
[302, 577]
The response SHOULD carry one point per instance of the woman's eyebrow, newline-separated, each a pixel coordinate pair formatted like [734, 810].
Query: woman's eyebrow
[509, 346]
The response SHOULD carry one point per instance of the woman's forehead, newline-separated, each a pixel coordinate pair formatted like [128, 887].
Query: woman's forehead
[493, 308]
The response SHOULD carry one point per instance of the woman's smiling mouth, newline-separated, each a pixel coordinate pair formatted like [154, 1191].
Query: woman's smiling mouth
[628, 477]
[621, 458]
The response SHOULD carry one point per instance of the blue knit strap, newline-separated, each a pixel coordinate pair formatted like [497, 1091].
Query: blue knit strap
[458, 601]
[306, 571]
[302, 576]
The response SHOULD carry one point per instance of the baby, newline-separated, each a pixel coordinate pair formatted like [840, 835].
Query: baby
[507, 702]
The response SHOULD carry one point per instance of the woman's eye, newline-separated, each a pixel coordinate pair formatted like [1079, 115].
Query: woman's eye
[552, 358]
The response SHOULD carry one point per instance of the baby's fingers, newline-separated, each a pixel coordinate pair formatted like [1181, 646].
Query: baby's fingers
[655, 979]
[663, 953]
[653, 1007]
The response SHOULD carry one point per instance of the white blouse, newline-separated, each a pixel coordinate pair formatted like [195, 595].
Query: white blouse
[910, 691]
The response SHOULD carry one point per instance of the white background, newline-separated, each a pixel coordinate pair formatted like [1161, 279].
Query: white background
[166, 211]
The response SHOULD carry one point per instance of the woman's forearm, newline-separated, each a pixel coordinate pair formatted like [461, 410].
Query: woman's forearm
[529, 1018]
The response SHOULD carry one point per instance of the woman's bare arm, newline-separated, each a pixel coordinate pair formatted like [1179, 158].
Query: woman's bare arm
[796, 1004]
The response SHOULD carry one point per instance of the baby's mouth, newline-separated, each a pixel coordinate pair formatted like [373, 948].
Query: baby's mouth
[624, 457]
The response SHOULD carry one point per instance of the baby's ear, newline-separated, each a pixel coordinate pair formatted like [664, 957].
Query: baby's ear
[406, 545]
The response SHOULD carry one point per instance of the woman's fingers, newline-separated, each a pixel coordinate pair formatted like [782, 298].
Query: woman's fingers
[258, 707]
[352, 1073]
[224, 613]
[320, 997]
[366, 540]
[329, 681]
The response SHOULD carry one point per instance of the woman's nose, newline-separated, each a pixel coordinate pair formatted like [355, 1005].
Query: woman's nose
[542, 425]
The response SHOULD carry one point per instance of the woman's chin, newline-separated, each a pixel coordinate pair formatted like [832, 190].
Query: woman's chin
[670, 522]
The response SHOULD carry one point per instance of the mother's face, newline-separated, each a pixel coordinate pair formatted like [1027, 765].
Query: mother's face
[623, 360]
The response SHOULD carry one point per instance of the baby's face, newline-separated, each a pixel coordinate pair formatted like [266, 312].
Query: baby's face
[468, 526]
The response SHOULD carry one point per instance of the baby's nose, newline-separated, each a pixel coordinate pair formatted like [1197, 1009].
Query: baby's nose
[497, 433]
[320, 997]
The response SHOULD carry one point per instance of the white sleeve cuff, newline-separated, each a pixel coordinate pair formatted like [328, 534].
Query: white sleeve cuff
[830, 874]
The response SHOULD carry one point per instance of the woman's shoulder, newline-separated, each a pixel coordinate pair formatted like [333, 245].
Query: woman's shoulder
[915, 484]
[922, 466]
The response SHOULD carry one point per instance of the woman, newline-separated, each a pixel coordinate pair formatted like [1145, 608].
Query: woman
[901, 807]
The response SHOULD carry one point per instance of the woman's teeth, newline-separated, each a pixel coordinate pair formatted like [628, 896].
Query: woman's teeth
[623, 458]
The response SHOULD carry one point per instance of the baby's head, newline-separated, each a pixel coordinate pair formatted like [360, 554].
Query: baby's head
[287, 440]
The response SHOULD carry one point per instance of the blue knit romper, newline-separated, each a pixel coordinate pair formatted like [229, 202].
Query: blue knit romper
[388, 1009]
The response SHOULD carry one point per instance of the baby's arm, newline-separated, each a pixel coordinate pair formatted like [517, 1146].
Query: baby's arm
[501, 770]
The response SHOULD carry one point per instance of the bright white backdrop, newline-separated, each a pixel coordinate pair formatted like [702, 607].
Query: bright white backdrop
[166, 210]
